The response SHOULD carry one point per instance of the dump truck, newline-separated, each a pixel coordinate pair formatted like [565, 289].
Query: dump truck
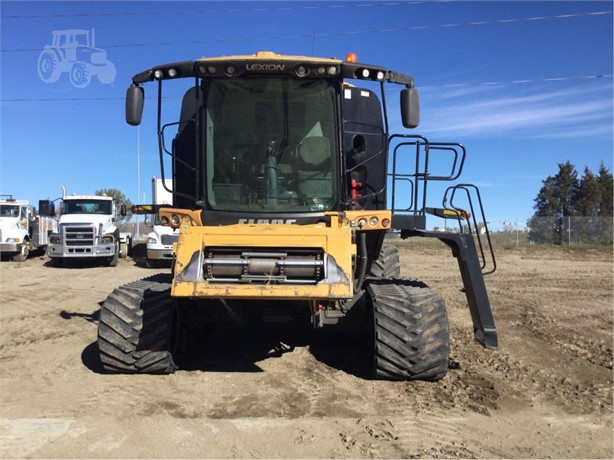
[24, 229]
[87, 230]
[288, 179]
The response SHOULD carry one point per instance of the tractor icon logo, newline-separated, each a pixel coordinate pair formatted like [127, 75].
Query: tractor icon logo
[73, 52]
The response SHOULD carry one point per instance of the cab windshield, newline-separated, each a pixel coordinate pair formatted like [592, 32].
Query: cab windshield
[270, 145]
[9, 210]
[86, 207]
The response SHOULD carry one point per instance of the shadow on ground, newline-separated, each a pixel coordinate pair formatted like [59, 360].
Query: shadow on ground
[228, 348]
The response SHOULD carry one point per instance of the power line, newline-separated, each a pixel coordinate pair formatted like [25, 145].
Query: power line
[453, 85]
[514, 82]
[340, 33]
[222, 10]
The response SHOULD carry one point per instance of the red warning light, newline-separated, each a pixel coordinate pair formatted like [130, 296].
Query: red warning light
[351, 57]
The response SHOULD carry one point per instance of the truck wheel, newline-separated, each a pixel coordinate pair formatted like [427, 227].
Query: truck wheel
[80, 75]
[411, 340]
[48, 67]
[135, 327]
[123, 249]
[114, 259]
[387, 264]
[24, 253]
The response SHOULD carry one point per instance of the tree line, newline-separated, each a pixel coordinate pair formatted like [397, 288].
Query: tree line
[567, 204]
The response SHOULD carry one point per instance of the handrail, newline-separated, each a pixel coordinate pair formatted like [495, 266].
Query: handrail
[467, 189]
[421, 172]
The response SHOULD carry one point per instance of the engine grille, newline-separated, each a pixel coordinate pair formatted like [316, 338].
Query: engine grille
[169, 239]
[259, 265]
[79, 236]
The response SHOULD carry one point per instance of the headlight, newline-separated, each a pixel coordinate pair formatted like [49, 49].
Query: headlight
[107, 239]
[54, 239]
[13, 240]
[152, 240]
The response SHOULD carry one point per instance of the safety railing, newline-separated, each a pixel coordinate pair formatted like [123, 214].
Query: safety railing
[437, 162]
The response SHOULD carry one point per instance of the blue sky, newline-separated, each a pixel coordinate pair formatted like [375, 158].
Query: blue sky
[523, 85]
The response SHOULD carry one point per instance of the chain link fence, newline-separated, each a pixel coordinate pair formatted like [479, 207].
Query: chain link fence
[566, 231]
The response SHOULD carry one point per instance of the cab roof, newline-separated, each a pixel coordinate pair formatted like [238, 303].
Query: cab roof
[270, 63]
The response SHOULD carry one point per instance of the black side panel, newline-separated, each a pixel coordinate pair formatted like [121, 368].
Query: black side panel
[364, 144]
[184, 153]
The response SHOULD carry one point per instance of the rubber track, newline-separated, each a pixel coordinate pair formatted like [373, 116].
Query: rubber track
[387, 264]
[134, 331]
[411, 335]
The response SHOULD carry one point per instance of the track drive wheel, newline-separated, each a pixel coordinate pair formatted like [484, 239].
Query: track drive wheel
[387, 264]
[136, 327]
[411, 339]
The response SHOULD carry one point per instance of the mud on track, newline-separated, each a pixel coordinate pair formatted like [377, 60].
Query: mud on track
[289, 392]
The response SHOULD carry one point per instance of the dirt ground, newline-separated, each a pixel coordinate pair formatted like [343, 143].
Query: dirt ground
[291, 393]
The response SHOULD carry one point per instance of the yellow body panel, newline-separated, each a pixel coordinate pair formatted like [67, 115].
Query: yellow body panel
[335, 241]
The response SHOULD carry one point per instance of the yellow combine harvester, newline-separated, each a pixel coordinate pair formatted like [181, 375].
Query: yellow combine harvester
[282, 172]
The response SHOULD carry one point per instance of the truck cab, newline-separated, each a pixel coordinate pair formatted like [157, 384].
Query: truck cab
[162, 237]
[22, 229]
[160, 242]
[86, 230]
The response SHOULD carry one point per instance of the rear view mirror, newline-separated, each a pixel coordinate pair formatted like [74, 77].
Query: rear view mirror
[45, 208]
[410, 107]
[134, 105]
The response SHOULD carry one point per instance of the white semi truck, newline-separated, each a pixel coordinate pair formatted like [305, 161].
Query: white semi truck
[87, 229]
[22, 229]
[161, 238]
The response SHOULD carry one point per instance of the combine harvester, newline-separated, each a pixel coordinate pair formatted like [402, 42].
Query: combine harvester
[282, 171]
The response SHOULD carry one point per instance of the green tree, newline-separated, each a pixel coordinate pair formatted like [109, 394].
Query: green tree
[118, 199]
[586, 201]
[566, 185]
[585, 204]
[587, 196]
[553, 204]
[541, 225]
[606, 187]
